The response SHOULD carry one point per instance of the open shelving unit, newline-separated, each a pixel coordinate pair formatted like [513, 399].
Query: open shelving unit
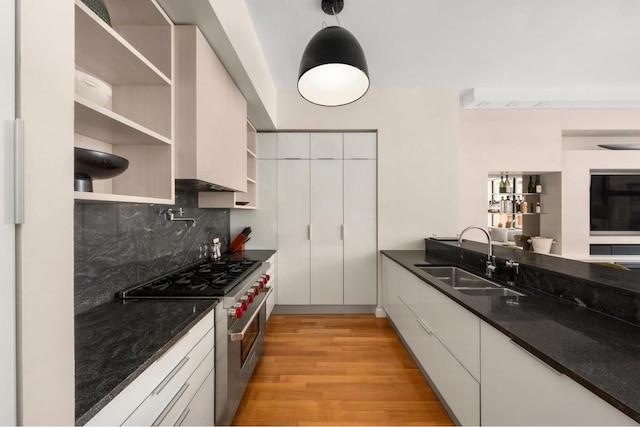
[134, 56]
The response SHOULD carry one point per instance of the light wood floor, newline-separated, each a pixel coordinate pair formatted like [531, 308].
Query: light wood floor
[337, 370]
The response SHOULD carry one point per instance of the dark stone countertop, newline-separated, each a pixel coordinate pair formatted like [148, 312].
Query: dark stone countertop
[598, 351]
[116, 342]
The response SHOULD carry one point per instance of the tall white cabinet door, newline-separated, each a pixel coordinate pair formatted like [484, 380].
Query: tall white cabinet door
[360, 232]
[7, 227]
[326, 232]
[293, 232]
[293, 145]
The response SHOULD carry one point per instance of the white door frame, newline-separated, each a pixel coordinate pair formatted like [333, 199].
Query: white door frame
[7, 227]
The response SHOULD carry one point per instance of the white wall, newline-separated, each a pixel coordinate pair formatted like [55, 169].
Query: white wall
[417, 155]
[531, 140]
[45, 241]
[7, 228]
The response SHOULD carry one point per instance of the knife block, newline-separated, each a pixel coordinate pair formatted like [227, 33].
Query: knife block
[238, 243]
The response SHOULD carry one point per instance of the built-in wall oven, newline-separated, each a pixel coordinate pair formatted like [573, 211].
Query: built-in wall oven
[242, 287]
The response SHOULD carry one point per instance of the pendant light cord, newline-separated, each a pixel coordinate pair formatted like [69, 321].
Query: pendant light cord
[333, 8]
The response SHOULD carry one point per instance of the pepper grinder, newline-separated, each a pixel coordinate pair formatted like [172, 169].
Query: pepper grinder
[215, 248]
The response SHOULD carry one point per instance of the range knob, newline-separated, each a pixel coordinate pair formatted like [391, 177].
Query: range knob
[235, 312]
[255, 289]
[249, 297]
[244, 301]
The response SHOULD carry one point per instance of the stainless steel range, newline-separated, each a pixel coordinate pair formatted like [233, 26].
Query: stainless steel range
[242, 286]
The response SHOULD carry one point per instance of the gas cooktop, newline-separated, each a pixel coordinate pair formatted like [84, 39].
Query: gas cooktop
[203, 280]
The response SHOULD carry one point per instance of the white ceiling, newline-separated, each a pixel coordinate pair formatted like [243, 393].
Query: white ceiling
[467, 43]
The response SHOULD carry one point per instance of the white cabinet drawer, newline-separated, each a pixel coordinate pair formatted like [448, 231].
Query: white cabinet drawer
[457, 328]
[177, 406]
[172, 384]
[326, 145]
[126, 402]
[360, 145]
[459, 389]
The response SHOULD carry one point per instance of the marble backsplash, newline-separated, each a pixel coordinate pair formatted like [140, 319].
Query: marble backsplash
[118, 246]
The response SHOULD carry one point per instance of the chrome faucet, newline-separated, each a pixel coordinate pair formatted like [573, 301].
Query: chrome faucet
[491, 260]
[514, 269]
[170, 215]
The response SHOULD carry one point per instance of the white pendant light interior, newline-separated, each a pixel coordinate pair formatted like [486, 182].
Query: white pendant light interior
[333, 84]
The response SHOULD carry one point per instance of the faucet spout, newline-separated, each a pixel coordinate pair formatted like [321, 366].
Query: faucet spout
[491, 260]
[170, 215]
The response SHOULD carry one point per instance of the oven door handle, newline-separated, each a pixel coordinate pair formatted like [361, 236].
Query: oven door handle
[239, 336]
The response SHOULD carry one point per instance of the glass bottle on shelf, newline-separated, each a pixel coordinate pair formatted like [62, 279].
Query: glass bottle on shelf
[502, 187]
[538, 184]
[518, 205]
[530, 187]
[538, 208]
[524, 206]
[507, 185]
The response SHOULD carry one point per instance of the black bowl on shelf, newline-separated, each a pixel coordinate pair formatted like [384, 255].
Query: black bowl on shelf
[92, 164]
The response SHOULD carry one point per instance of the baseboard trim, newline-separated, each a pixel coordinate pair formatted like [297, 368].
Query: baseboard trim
[324, 309]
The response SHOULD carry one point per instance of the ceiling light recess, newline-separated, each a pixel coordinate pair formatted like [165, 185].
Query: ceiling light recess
[333, 69]
[489, 98]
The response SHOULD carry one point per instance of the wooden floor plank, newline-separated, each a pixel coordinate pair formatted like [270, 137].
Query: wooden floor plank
[337, 370]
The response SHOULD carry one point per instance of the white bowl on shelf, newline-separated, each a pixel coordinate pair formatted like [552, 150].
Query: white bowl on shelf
[498, 234]
[93, 89]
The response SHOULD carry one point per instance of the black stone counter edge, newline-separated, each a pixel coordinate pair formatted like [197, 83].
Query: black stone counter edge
[83, 419]
[427, 259]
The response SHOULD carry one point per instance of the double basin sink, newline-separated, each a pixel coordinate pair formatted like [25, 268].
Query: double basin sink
[468, 283]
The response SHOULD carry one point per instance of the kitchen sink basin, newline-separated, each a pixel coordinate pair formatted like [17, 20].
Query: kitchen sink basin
[459, 279]
[468, 283]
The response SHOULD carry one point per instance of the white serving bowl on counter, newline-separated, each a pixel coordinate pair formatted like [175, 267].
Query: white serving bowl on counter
[93, 89]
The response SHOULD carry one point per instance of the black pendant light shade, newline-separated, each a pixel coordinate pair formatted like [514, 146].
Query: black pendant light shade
[333, 70]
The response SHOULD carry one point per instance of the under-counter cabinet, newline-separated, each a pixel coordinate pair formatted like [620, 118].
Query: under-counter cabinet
[444, 339]
[177, 388]
[134, 57]
[211, 118]
[520, 389]
[483, 377]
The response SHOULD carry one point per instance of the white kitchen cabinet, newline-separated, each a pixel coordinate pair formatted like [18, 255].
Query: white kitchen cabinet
[325, 145]
[266, 145]
[326, 223]
[161, 393]
[200, 411]
[390, 300]
[520, 389]
[293, 145]
[293, 228]
[458, 387]
[135, 57]
[237, 199]
[273, 282]
[360, 145]
[359, 232]
[456, 327]
[211, 116]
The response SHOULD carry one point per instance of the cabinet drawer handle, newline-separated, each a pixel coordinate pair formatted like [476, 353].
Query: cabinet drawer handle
[309, 231]
[171, 404]
[170, 375]
[342, 232]
[542, 362]
[182, 417]
[425, 326]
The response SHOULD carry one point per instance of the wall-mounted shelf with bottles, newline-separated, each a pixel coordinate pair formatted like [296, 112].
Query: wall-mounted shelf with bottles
[134, 56]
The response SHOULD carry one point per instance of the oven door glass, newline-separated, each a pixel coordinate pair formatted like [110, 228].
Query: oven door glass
[250, 337]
